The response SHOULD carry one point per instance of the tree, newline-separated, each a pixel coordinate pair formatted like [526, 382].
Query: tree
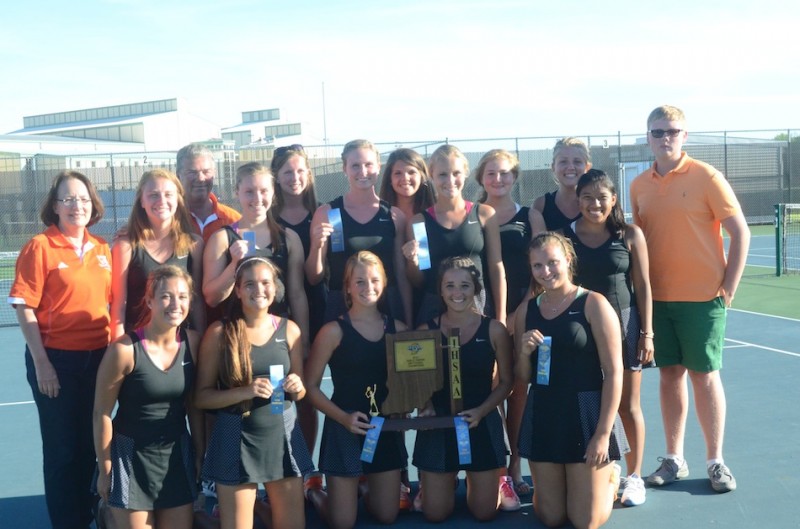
[783, 136]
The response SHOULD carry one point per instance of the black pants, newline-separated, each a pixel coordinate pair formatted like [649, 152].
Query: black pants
[67, 443]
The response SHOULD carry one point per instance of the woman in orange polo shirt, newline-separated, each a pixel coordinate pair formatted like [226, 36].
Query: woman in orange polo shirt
[61, 292]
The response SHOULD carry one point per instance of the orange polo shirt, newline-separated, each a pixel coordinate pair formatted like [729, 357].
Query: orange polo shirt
[69, 293]
[221, 217]
[680, 214]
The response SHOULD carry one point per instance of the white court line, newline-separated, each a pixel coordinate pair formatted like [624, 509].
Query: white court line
[766, 315]
[748, 344]
[16, 403]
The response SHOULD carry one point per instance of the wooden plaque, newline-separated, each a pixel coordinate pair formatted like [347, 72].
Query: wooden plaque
[415, 370]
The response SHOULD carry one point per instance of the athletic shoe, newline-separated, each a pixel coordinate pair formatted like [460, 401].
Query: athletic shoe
[209, 489]
[417, 505]
[634, 493]
[405, 498]
[509, 501]
[313, 481]
[721, 478]
[668, 472]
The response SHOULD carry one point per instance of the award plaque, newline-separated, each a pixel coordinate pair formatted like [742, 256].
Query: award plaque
[415, 372]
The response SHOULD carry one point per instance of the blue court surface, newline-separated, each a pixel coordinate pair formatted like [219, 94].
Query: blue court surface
[761, 370]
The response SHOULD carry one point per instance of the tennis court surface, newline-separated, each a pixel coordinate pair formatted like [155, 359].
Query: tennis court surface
[762, 366]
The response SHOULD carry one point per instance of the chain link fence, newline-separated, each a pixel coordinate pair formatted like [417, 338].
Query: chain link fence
[762, 166]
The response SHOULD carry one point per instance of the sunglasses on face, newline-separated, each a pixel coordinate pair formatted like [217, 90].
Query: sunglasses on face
[280, 151]
[659, 133]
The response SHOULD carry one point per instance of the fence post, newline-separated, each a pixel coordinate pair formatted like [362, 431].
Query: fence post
[778, 239]
[789, 163]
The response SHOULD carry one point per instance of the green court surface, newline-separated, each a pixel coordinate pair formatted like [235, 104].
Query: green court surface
[760, 290]
[767, 294]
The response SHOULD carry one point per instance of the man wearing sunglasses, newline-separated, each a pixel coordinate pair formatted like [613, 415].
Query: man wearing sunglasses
[196, 169]
[680, 204]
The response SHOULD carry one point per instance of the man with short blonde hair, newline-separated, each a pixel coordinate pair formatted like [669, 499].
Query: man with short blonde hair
[681, 204]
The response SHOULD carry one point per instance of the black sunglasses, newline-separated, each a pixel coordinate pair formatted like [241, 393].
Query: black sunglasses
[280, 151]
[659, 133]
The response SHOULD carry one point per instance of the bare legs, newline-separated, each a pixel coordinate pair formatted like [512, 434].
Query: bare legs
[630, 412]
[710, 405]
[236, 504]
[438, 499]
[382, 500]
[578, 493]
[177, 517]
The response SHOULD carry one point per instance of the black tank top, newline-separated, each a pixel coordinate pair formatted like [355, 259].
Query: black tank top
[605, 269]
[142, 263]
[574, 362]
[274, 352]
[464, 240]
[477, 359]
[280, 258]
[152, 401]
[357, 364]
[376, 235]
[554, 219]
[515, 237]
[303, 230]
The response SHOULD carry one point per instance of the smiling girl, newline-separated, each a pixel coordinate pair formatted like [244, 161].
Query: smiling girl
[255, 189]
[457, 227]
[159, 232]
[570, 432]
[483, 342]
[612, 260]
[354, 348]
[571, 158]
[368, 223]
[255, 439]
[145, 456]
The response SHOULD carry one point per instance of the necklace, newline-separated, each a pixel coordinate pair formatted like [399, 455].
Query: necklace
[561, 304]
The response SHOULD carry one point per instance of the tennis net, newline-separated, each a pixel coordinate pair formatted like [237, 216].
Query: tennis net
[787, 226]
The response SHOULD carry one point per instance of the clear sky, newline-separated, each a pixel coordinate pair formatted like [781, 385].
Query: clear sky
[414, 70]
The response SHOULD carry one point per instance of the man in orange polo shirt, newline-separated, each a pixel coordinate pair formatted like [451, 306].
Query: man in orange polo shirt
[681, 204]
[196, 168]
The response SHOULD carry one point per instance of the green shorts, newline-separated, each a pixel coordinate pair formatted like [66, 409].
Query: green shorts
[689, 333]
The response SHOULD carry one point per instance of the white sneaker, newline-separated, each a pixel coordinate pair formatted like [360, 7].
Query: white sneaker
[634, 493]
